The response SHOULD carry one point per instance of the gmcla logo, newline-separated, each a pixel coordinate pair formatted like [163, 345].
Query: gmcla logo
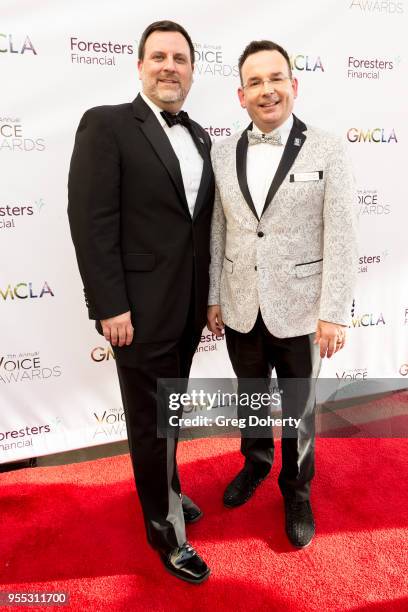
[371, 135]
[366, 319]
[8, 44]
[307, 63]
[23, 291]
[99, 354]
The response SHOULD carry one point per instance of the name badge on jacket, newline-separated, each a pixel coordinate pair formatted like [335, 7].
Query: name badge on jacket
[303, 177]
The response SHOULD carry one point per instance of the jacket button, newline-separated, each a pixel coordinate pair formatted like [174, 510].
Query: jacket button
[256, 267]
[261, 234]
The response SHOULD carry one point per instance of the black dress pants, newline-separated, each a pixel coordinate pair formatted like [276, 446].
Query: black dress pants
[254, 355]
[153, 458]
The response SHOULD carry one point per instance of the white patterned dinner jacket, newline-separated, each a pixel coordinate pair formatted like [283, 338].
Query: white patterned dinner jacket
[297, 263]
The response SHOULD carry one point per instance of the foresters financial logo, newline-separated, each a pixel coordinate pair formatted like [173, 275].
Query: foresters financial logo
[371, 204]
[366, 262]
[23, 436]
[25, 290]
[216, 132]
[12, 213]
[369, 68]
[15, 138]
[26, 367]
[15, 44]
[369, 135]
[306, 63]
[210, 61]
[390, 7]
[369, 319]
[101, 53]
[110, 423]
[209, 342]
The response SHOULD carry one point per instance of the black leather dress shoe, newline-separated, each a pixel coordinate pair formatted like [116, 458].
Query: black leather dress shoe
[299, 522]
[242, 488]
[191, 511]
[184, 563]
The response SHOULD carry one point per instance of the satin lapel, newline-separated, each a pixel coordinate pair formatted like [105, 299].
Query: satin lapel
[161, 144]
[241, 166]
[199, 141]
[204, 185]
[292, 148]
[207, 169]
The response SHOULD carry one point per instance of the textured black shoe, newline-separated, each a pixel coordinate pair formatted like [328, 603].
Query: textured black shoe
[191, 511]
[184, 563]
[299, 522]
[242, 488]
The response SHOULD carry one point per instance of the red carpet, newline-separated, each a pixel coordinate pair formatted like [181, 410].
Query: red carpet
[78, 528]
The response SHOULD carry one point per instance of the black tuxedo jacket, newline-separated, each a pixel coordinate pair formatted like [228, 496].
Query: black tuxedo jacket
[137, 246]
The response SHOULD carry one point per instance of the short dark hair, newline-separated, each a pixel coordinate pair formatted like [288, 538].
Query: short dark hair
[164, 26]
[262, 45]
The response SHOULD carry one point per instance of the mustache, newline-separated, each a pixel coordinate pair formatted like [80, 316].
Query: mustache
[169, 75]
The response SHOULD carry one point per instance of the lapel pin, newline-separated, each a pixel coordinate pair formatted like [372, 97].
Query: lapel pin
[297, 142]
[201, 139]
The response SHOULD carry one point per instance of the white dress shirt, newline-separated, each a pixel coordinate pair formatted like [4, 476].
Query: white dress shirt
[191, 162]
[262, 162]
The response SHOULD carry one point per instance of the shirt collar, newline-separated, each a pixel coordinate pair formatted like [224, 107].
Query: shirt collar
[284, 129]
[155, 109]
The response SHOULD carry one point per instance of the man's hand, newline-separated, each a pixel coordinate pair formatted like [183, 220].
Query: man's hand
[118, 330]
[214, 320]
[330, 336]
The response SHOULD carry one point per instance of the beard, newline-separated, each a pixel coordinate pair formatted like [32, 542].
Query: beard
[168, 95]
[171, 96]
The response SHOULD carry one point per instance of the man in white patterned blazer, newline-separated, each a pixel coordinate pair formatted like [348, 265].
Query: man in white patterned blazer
[283, 263]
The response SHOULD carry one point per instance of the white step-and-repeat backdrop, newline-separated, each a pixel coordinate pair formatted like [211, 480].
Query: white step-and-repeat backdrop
[58, 387]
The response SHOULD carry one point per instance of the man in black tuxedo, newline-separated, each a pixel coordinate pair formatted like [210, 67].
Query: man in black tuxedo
[141, 190]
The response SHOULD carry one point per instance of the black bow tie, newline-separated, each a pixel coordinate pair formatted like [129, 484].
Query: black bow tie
[181, 118]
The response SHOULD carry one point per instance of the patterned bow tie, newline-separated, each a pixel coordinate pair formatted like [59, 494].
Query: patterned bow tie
[180, 119]
[255, 138]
